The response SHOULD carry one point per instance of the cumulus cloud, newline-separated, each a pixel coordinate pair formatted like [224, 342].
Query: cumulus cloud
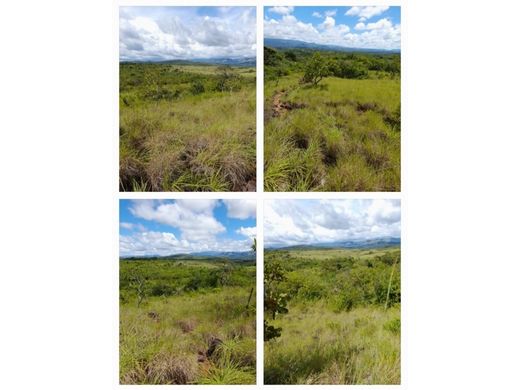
[281, 10]
[317, 14]
[329, 22]
[382, 34]
[195, 219]
[153, 243]
[365, 13]
[165, 33]
[381, 24]
[247, 231]
[240, 208]
[293, 222]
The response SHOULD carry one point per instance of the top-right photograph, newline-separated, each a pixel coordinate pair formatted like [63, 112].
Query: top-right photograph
[332, 109]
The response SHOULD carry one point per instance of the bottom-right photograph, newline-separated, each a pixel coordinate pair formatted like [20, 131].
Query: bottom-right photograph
[332, 291]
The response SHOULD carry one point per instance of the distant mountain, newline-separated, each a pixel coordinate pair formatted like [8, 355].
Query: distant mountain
[243, 61]
[350, 244]
[295, 44]
[235, 256]
[227, 255]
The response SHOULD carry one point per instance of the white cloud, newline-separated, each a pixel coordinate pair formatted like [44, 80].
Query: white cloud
[331, 12]
[292, 222]
[240, 208]
[382, 24]
[247, 231]
[379, 35]
[281, 10]
[181, 33]
[317, 15]
[126, 225]
[193, 217]
[200, 231]
[154, 243]
[328, 23]
[365, 13]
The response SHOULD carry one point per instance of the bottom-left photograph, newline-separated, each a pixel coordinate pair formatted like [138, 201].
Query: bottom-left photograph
[187, 291]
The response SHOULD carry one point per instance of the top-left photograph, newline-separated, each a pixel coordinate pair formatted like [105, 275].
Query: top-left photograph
[187, 99]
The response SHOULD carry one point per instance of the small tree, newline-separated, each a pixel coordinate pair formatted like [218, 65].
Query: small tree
[275, 302]
[316, 68]
[138, 283]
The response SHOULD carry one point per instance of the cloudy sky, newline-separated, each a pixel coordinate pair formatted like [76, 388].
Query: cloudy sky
[371, 27]
[165, 227]
[167, 33]
[295, 222]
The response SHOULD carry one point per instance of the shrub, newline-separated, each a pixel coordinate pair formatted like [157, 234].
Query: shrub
[197, 88]
[316, 68]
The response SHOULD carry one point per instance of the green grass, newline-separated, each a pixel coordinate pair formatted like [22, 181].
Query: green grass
[187, 128]
[163, 339]
[343, 321]
[342, 135]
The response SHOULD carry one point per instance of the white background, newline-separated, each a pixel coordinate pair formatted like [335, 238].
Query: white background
[460, 208]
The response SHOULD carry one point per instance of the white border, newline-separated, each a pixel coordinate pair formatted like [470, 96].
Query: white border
[260, 195]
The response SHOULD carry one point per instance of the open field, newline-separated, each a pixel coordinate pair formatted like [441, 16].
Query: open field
[332, 121]
[189, 321]
[338, 316]
[187, 127]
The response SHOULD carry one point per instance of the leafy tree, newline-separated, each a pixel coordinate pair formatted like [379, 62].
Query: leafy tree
[227, 79]
[316, 68]
[275, 302]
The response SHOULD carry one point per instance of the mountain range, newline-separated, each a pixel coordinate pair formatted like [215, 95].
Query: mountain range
[295, 44]
[241, 61]
[350, 244]
[235, 256]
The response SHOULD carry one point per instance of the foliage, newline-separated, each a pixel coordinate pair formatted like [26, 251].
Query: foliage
[316, 69]
[340, 130]
[342, 324]
[275, 301]
[186, 128]
[166, 339]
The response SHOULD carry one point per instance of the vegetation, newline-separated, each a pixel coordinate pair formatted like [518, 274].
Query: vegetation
[188, 321]
[341, 322]
[332, 121]
[187, 127]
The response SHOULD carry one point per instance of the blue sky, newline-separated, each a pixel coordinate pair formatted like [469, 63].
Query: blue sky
[294, 222]
[167, 33]
[164, 227]
[373, 27]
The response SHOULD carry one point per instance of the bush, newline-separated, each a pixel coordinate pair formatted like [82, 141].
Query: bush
[316, 68]
[350, 70]
[197, 88]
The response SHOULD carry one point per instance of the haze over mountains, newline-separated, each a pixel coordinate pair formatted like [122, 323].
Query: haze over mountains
[240, 61]
[235, 256]
[296, 44]
[350, 244]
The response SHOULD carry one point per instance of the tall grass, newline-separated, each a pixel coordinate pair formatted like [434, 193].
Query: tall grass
[165, 340]
[179, 132]
[343, 135]
[319, 346]
[343, 321]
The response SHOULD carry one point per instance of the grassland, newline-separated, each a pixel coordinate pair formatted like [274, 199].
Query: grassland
[187, 128]
[341, 134]
[187, 322]
[343, 319]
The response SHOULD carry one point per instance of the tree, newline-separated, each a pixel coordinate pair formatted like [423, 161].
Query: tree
[316, 68]
[275, 302]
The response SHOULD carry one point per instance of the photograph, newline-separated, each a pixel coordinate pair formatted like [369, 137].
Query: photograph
[332, 292]
[187, 99]
[187, 292]
[332, 99]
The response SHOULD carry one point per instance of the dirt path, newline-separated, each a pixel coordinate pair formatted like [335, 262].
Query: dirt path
[278, 106]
